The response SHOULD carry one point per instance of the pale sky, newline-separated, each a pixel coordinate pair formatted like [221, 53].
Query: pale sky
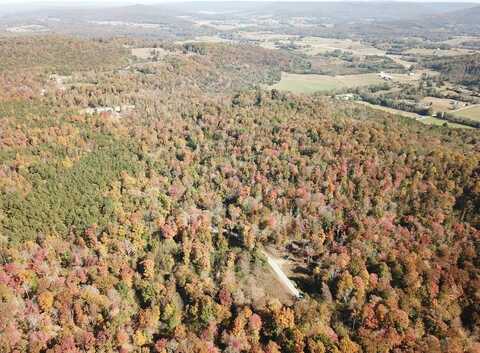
[123, 2]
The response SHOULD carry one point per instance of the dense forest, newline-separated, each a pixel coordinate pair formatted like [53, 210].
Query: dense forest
[459, 69]
[58, 54]
[141, 230]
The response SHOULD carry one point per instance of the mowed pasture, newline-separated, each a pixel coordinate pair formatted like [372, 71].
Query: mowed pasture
[439, 122]
[442, 104]
[205, 39]
[472, 113]
[319, 45]
[309, 83]
[310, 45]
[267, 36]
[268, 40]
[430, 120]
[439, 52]
[221, 26]
[393, 111]
[148, 53]
[459, 40]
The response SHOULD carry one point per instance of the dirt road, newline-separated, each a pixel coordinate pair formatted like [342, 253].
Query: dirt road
[282, 277]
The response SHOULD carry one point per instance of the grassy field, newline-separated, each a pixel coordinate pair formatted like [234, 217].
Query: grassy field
[458, 40]
[299, 83]
[441, 104]
[204, 39]
[425, 120]
[147, 53]
[217, 25]
[472, 113]
[268, 40]
[439, 52]
[393, 111]
[318, 45]
[268, 36]
[440, 122]
[311, 45]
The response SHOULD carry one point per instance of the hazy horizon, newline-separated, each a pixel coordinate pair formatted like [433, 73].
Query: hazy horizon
[150, 2]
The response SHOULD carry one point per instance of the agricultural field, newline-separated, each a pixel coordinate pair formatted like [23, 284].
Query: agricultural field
[310, 45]
[299, 83]
[268, 40]
[439, 52]
[311, 83]
[267, 36]
[148, 53]
[394, 111]
[457, 40]
[430, 120]
[398, 59]
[318, 45]
[439, 122]
[472, 113]
[27, 29]
[205, 39]
[407, 78]
[219, 25]
[442, 104]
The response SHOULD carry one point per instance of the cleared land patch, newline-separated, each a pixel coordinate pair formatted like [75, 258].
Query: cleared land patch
[128, 24]
[222, 25]
[425, 120]
[440, 122]
[472, 113]
[399, 60]
[319, 45]
[148, 53]
[28, 29]
[438, 52]
[459, 40]
[442, 104]
[269, 40]
[205, 39]
[394, 111]
[307, 83]
[267, 36]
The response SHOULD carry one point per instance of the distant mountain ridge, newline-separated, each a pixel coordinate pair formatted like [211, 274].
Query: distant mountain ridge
[340, 10]
[464, 16]
[172, 20]
[335, 11]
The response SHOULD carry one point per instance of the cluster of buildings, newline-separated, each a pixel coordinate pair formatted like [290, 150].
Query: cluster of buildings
[347, 97]
[385, 76]
[125, 108]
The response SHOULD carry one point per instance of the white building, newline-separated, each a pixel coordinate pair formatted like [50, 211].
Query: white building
[385, 76]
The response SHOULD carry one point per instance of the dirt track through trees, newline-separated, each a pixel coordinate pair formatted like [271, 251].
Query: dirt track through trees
[282, 277]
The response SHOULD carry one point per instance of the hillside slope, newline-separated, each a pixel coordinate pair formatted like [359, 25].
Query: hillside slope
[142, 230]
